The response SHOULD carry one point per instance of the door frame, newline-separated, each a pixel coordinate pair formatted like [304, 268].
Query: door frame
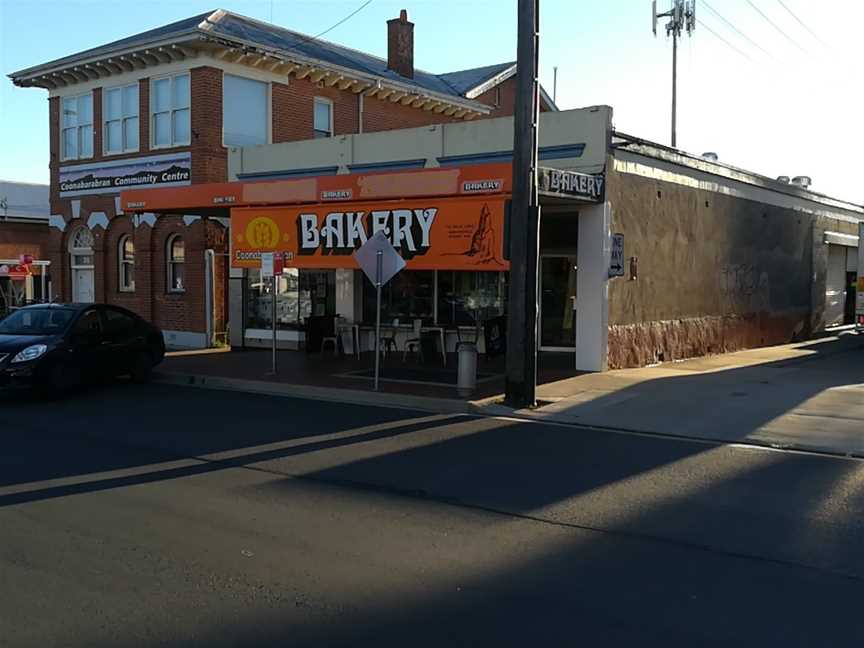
[81, 251]
[540, 345]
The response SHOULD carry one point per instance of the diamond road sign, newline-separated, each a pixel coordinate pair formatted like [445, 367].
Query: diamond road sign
[367, 258]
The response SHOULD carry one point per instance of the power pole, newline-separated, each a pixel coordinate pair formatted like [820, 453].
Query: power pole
[522, 321]
[682, 17]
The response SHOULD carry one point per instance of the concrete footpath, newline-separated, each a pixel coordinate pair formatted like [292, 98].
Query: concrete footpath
[807, 396]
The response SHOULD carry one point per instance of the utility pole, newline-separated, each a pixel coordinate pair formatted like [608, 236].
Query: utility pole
[682, 17]
[522, 321]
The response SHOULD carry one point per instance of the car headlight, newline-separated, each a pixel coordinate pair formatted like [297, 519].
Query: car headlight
[30, 353]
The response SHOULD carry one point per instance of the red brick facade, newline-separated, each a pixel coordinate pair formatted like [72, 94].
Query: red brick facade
[292, 112]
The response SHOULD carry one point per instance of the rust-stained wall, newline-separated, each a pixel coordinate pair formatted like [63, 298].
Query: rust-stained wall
[716, 273]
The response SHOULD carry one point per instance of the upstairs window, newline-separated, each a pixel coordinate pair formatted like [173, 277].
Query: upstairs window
[245, 117]
[169, 107]
[323, 118]
[76, 138]
[120, 114]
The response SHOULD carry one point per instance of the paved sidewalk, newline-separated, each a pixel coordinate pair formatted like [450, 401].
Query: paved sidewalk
[807, 396]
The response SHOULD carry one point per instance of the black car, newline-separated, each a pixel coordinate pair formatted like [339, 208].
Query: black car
[53, 347]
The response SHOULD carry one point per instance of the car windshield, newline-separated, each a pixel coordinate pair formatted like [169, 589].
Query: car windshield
[36, 321]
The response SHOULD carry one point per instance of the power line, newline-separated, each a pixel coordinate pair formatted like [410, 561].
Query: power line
[803, 24]
[739, 32]
[309, 39]
[725, 41]
[774, 25]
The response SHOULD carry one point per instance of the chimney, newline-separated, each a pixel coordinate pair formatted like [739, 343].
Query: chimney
[400, 45]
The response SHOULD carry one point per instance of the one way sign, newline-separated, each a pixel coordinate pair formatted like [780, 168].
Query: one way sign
[616, 258]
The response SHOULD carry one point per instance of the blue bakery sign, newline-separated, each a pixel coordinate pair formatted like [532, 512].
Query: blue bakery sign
[169, 170]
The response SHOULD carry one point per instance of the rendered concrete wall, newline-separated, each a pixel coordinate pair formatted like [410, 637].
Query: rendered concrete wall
[716, 272]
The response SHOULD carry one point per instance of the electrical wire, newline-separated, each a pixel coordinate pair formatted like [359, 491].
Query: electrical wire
[774, 25]
[309, 39]
[739, 32]
[725, 41]
[803, 24]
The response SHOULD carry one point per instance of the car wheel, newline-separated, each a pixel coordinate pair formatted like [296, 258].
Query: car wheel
[142, 368]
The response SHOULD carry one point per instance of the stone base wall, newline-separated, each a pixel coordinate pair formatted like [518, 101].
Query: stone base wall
[637, 345]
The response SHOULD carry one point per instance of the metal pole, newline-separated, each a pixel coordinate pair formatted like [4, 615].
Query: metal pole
[378, 261]
[555, 84]
[521, 370]
[273, 290]
[674, 80]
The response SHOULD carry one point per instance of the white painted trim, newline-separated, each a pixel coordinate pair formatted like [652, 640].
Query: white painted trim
[836, 238]
[144, 219]
[171, 111]
[189, 219]
[97, 219]
[76, 208]
[117, 208]
[57, 222]
[592, 288]
[61, 128]
[224, 221]
[629, 163]
[499, 78]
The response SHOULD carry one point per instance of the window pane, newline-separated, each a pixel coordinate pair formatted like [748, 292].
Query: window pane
[181, 91]
[177, 279]
[86, 142]
[322, 116]
[113, 103]
[70, 143]
[85, 109]
[113, 136]
[181, 126]
[128, 249]
[408, 296]
[178, 250]
[131, 133]
[130, 101]
[244, 111]
[161, 95]
[70, 111]
[162, 129]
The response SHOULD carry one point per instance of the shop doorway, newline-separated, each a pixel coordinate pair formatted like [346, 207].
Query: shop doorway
[81, 258]
[557, 303]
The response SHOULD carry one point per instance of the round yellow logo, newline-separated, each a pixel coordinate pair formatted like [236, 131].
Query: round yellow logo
[262, 233]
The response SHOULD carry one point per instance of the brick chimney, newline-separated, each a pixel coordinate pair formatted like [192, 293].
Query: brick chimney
[400, 45]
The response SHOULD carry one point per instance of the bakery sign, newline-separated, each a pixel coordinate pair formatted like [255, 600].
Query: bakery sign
[583, 187]
[433, 234]
[168, 170]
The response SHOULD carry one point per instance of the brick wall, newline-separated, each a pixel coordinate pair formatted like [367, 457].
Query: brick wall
[23, 238]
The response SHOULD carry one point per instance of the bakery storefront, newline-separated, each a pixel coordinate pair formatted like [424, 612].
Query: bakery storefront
[449, 225]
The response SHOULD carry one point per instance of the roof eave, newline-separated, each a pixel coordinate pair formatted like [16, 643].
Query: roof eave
[491, 82]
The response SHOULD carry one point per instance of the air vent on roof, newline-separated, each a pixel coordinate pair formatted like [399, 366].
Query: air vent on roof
[710, 155]
[783, 179]
[802, 181]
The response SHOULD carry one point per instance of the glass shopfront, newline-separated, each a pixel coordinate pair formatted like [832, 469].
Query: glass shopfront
[300, 294]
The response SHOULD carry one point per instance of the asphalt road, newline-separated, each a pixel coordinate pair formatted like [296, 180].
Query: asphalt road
[159, 516]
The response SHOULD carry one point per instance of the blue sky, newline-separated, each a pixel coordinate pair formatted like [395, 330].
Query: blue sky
[789, 108]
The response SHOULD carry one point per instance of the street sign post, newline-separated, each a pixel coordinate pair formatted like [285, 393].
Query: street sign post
[380, 262]
[267, 263]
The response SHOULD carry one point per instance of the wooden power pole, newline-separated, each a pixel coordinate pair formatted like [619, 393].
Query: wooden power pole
[522, 317]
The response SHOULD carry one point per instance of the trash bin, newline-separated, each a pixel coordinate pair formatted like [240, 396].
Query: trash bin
[467, 369]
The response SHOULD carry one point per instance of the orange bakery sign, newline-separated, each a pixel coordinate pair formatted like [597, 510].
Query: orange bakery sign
[430, 234]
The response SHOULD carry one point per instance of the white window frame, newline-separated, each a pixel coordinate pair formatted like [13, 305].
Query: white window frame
[123, 119]
[122, 262]
[77, 127]
[329, 103]
[170, 263]
[268, 101]
[171, 111]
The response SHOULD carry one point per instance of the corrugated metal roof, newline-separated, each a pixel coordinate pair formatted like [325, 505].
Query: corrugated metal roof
[24, 200]
[243, 30]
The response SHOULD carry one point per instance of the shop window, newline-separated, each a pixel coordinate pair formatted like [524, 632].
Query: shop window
[126, 256]
[323, 118]
[76, 133]
[245, 117]
[408, 296]
[299, 294]
[176, 264]
[120, 116]
[169, 111]
[469, 298]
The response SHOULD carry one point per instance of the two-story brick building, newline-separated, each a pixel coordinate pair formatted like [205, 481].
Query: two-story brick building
[163, 107]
